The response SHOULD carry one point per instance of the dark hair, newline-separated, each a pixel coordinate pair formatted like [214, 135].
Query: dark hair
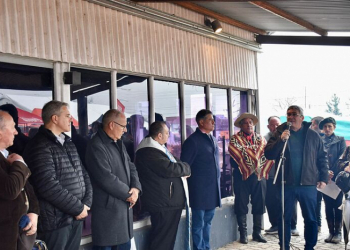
[296, 107]
[52, 108]
[202, 114]
[273, 116]
[317, 119]
[156, 128]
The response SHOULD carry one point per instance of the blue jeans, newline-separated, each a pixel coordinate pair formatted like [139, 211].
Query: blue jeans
[201, 224]
[307, 197]
[125, 246]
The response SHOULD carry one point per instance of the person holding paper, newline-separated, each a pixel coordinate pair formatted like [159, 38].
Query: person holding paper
[335, 146]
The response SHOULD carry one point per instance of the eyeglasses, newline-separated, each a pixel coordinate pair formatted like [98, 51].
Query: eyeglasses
[293, 114]
[123, 126]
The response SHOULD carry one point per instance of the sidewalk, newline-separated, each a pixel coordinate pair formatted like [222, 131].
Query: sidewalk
[296, 241]
[272, 244]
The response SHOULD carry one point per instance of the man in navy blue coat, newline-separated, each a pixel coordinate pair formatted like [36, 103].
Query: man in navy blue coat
[201, 152]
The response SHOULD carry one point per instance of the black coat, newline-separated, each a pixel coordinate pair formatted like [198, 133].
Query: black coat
[112, 176]
[315, 163]
[335, 147]
[60, 181]
[161, 180]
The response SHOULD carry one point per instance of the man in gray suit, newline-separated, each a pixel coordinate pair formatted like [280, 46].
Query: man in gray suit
[115, 183]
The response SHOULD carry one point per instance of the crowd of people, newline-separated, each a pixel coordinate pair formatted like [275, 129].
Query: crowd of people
[47, 189]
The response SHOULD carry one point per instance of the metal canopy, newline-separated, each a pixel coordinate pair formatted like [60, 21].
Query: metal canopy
[329, 15]
[266, 17]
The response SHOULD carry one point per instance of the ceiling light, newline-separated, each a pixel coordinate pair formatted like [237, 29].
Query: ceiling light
[215, 25]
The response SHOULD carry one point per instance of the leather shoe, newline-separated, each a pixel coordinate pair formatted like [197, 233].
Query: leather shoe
[258, 237]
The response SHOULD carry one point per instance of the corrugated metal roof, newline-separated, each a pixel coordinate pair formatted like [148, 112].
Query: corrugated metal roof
[331, 15]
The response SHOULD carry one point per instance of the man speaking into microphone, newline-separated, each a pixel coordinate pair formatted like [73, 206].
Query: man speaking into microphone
[306, 167]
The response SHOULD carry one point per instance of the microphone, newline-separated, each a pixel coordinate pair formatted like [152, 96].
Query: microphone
[289, 124]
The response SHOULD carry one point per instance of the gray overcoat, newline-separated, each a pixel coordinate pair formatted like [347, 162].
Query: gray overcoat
[112, 175]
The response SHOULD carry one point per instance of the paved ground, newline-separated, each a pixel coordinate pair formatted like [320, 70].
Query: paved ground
[296, 241]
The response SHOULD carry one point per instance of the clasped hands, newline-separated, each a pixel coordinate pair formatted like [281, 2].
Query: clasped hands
[133, 197]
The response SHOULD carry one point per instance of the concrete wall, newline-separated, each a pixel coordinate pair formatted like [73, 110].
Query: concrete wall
[224, 230]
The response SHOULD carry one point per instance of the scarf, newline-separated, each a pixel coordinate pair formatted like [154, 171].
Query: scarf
[249, 155]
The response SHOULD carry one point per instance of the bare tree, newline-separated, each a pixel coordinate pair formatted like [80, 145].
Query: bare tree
[283, 104]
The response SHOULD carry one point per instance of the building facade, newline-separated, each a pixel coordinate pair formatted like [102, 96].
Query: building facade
[152, 61]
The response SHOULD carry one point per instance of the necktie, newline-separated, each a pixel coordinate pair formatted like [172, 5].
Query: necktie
[212, 139]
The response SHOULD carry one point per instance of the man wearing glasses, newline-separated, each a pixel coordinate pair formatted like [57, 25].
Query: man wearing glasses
[115, 183]
[306, 167]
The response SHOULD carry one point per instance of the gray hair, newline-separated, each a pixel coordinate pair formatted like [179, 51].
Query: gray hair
[2, 120]
[317, 119]
[296, 107]
[52, 108]
[109, 116]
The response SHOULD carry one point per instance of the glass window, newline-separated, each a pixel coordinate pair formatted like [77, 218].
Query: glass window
[221, 132]
[167, 108]
[194, 101]
[133, 101]
[236, 107]
[25, 89]
[89, 101]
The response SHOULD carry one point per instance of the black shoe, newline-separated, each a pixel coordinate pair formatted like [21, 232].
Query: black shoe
[243, 238]
[336, 239]
[272, 230]
[257, 227]
[242, 228]
[258, 237]
[294, 232]
[329, 238]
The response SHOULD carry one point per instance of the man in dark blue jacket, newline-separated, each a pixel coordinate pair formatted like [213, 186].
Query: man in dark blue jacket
[201, 151]
[306, 166]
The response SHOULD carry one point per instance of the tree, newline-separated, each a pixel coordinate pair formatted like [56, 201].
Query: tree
[283, 104]
[332, 105]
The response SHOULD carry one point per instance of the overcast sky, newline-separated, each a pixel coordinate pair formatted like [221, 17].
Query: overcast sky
[307, 74]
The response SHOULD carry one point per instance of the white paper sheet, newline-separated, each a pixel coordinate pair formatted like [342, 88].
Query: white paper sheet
[332, 190]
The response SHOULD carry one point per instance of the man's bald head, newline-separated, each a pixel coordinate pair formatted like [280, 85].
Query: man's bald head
[7, 130]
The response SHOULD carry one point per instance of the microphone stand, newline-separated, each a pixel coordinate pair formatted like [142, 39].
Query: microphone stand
[281, 162]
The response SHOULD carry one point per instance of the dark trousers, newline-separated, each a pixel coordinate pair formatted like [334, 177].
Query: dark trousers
[66, 238]
[293, 223]
[272, 198]
[164, 229]
[318, 208]
[250, 189]
[333, 214]
[307, 197]
[124, 246]
[201, 225]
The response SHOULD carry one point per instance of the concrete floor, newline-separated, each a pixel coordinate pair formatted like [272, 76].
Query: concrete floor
[296, 241]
